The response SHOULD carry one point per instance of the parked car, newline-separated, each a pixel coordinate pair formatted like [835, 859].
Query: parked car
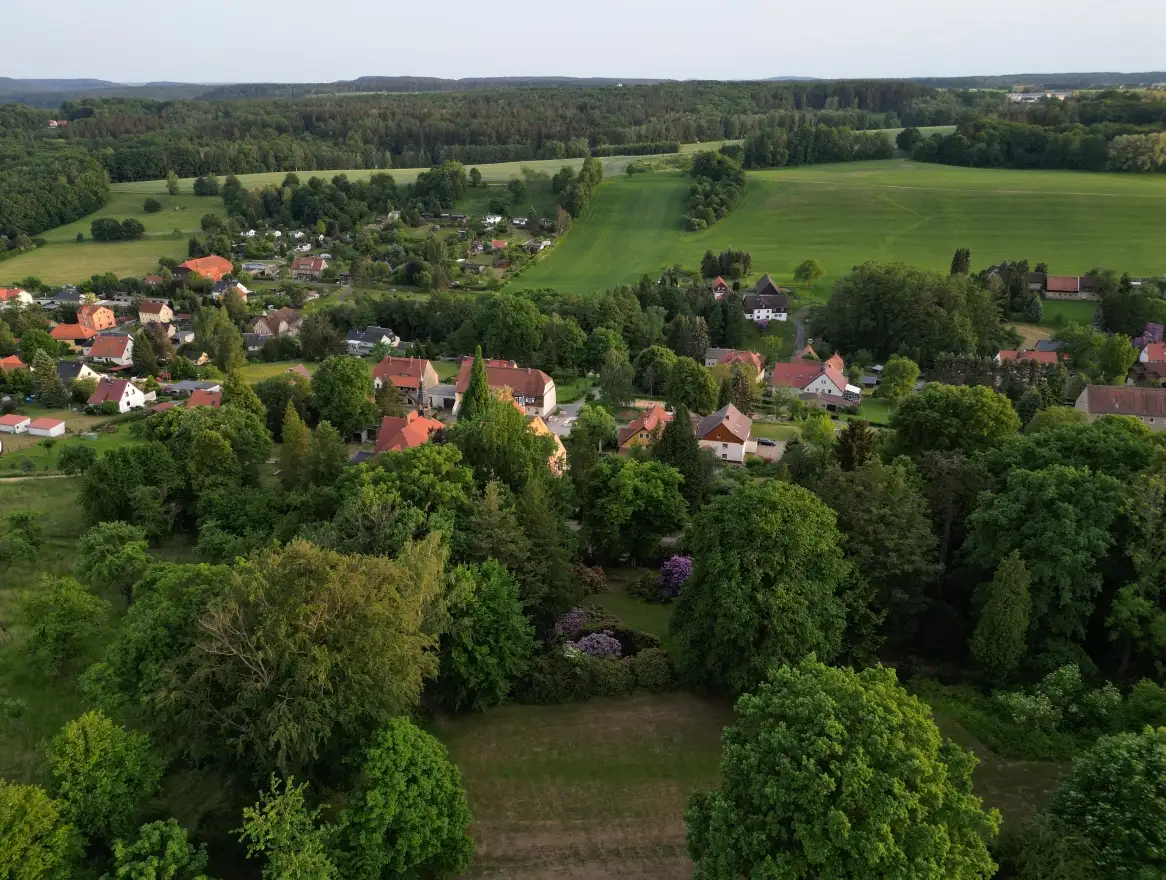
[765, 441]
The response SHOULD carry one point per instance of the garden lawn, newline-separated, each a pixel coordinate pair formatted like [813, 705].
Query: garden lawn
[772, 431]
[586, 790]
[1058, 312]
[257, 371]
[650, 617]
[850, 213]
[69, 262]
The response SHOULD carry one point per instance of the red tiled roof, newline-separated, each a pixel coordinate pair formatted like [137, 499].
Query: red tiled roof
[497, 244]
[1155, 351]
[13, 420]
[109, 347]
[651, 421]
[1063, 284]
[719, 282]
[405, 433]
[742, 357]
[69, 332]
[46, 424]
[523, 381]
[835, 362]
[736, 422]
[309, 264]
[204, 398]
[402, 372]
[109, 389]
[213, 267]
[1044, 357]
[163, 406]
[7, 293]
[798, 374]
[1125, 400]
[12, 362]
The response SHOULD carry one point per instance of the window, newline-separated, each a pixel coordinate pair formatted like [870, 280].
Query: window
[724, 446]
[724, 455]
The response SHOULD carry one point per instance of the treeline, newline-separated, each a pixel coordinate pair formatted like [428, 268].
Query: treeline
[573, 190]
[138, 139]
[811, 144]
[718, 183]
[1103, 108]
[997, 143]
[110, 229]
[48, 189]
[636, 149]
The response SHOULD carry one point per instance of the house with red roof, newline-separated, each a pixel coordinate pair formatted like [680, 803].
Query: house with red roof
[814, 378]
[1042, 357]
[410, 375]
[201, 397]
[714, 357]
[533, 390]
[116, 350]
[73, 335]
[124, 393]
[96, 317]
[1147, 405]
[308, 268]
[645, 430]
[14, 295]
[12, 362]
[212, 268]
[406, 432]
[498, 244]
[720, 288]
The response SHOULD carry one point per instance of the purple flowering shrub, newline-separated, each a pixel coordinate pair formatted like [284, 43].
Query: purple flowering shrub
[1151, 333]
[600, 644]
[673, 574]
[569, 624]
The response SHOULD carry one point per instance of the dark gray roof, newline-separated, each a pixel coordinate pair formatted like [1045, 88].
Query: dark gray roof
[1048, 345]
[766, 287]
[754, 301]
[361, 456]
[69, 370]
[732, 418]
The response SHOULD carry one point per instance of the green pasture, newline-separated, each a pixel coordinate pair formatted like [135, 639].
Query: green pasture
[70, 262]
[847, 214]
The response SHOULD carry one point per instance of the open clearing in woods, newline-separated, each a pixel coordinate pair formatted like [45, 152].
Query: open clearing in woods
[850, 213]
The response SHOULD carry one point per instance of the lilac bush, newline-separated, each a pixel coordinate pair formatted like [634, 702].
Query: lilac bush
[673, 574]
[1151, 333]
[600, 644]
[570, 623]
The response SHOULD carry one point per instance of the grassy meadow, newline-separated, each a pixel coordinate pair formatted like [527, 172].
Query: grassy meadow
[846, 214]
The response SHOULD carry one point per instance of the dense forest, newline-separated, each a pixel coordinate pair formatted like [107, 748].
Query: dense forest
[46, 188]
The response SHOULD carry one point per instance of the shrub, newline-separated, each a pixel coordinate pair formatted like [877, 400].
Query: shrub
[569, 625]
[631, 641]
[592, 579]
[152, 206]
[554, 678]
[644, 587]
[673, 574]
[1145, 706]
[610, 677]
[599, 644]
[652, 670]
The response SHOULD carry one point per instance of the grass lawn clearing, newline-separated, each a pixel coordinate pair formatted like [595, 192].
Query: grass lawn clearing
[69, 262]
[446, 370]
[775, 431]
[1058, 312]
[257, 371]
[847, 214]
[586, 790]
[651, 617]
[875, 410]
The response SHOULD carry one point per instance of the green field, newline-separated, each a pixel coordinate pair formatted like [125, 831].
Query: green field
[846, 214]
[63, 259]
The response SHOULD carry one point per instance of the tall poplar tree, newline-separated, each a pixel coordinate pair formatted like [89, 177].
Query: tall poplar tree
[477, 395]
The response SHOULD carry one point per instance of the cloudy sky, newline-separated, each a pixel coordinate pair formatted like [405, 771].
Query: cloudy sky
[314, 41]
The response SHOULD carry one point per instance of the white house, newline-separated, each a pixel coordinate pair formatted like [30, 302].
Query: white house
[815, 377]
[14, 424]
[117, 350]
[362, 342]
[47, 427]
[124, 393]
[727, 433]
[766, 307]
[12, 295]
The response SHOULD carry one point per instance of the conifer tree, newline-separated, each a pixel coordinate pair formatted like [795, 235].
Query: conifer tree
[144, 359]
[328, 457]
[1001, 637]
[297, 449]
[237, 393]
[677, 447]
[477, 397]
[743, 389]
[50, 390]
[725, 393]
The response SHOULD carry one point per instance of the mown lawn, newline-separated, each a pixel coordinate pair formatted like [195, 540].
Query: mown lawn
[847, 214]
[772, 431]
[257, 371]
[69, 262]
[1058, 312]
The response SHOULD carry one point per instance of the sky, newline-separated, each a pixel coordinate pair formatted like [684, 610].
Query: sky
[313, 41]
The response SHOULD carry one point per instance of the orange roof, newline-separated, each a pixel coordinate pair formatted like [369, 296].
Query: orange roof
[523, 381]
[405, 433]
[46, 424]
[109, 389]
[652, 421]
[109, 347]
[402, 372]
[719, 282]
[7, 293]
[12, 362]
[1155, 351]
[204, 398]
[163, 406]
[1063, 284]
[69, 332]
[742, 357]
[13, 420]
[90, 310]
[213, 267]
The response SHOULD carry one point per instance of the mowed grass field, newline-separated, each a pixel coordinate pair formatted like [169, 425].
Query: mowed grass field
[63, 260]
[847, 214]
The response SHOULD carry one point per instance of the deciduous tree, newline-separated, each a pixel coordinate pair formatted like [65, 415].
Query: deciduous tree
[59, 615]
[113, 556]
[159, 852]
[343, 392]
[616, 379]
[284, 830]
[653, 368]
[949, 418]
[898, 379]
[809, 272]
[764, 590]
[818, 749]
[102, 774]
[691, 385]
[237, 393]
[628, 505]
[408, 816]
[855, 445]
[36, 840]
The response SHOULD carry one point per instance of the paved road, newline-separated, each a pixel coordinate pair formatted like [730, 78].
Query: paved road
[567, 412]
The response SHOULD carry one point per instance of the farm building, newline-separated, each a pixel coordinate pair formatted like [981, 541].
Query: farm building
[47, 427]
[14, 424]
